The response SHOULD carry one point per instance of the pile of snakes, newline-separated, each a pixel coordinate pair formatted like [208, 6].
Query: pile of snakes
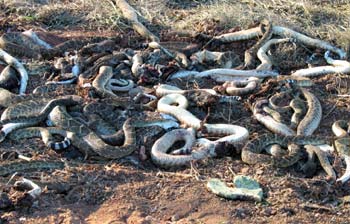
[98, 93]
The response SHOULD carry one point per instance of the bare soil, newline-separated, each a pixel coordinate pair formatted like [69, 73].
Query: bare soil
[137, 191]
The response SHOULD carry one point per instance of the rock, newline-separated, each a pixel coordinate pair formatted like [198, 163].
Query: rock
[245, 188]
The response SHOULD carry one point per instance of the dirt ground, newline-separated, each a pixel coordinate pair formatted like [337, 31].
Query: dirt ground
[134, 190]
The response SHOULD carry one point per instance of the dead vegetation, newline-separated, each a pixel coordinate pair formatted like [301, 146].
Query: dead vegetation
[328, 20]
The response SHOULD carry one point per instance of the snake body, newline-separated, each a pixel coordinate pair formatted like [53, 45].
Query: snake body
[338, 66]
[250, 54]
[322, 157]
[45, 134]
[239, 35]
[268, 121]
[342, 145]
[35, 111]
[299, 109]
[25, 166]
[30, 113]
[159, 149]
[90, 140]
[237, 134]
[101, 81]
[266, 63]
[313, 116]
[237, 88]
[251, 152]
[8, 78]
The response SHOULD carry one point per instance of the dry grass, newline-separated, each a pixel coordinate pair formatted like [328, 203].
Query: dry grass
[324, 19]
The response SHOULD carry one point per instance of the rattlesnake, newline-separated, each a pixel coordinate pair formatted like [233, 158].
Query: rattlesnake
[12, 167]
[45, 134]
[251, 152]
[282, 32]
[22, 45]
[250, 54]
[89, 140]
[234, 134]
[31, 112]
[338, 66]
[313, 116]
[305, 127]
[8, 78]
[103, 83]
[342, 145]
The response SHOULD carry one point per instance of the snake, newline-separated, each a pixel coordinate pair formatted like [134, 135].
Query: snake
[283, 32]
[31, 112]
[273, 101]
[89, 140]
[338, 66]
[222, 59]
[295, 81]
[159, 149]
[305, 126]
[239, 35]
[268, 121]
[35, 111]
[299, 109]
[252, 151]
[179, 57]
[238, 88]
[107, 60]
[8, 78]
[97, 115]
[132, 15]
[137, 62]
[97, 48]
[236, 134]
[101, 81]
[250, 54]
[165, 89]
[45, 134]
[342, 145]
[25, 166]
[322, 157]
[289, 33]
[313, 116]
[10, 60]
[266, 63]
[22, 45]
